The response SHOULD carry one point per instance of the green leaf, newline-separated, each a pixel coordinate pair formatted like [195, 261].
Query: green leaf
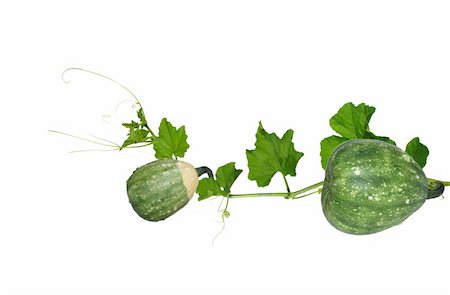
[171, 142]
[418, 151]
[131, 125]
[141, 116]
[352, 121]
[208, 187]
[370, 135]
[226, 175]
[137, 131]
[271, 155]
[135, 136]
[327, 146]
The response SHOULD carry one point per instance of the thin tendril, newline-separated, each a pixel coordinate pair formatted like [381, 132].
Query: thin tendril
[100, 75]
[85, 139]
[82, 151]
[112, 80]
[126, 100]
[223, 217]
[114, 145]
[221, 230]
[106, 117]
[105, 140]
[220, 204]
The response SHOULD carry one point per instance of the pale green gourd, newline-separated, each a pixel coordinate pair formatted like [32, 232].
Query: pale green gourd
[371, 185]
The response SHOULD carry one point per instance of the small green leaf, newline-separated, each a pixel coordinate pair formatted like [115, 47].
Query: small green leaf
[137, 131]
[131, 125]
[352, 121]
[135, 136]
[418, 151]
[327, 146]
[227, 175]
[271, 155]
[170, 141]
[141, 116]
[208, 187]
[370, 135]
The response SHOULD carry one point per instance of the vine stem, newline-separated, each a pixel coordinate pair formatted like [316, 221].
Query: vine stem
[318, 191]
[307, 191]
[291, 195]
[445, 183]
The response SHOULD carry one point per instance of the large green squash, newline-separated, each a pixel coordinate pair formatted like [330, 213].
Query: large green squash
[370, 186]
[160, 188]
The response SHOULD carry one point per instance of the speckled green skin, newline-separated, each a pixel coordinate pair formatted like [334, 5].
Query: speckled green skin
[156, 190]
[370, 186]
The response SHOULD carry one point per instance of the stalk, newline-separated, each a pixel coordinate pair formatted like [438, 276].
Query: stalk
[309, 190]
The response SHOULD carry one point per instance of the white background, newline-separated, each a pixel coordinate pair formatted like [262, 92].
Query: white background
[217, 67]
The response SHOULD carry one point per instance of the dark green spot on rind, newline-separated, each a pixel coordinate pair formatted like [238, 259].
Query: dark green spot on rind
[156, 190]
[370, 186]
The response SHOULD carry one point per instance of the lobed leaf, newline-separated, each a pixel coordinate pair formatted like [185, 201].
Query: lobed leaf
[351, 122]
[226, 175]
[418, 151]
[208, 187]
[327, 146]
[271, 155]
[137, 131]
[171, 142]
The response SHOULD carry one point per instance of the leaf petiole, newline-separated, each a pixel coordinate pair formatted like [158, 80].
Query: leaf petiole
[287, 186]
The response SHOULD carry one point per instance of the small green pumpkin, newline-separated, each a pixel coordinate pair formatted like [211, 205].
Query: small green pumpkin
[370, 186]
[160, 188]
